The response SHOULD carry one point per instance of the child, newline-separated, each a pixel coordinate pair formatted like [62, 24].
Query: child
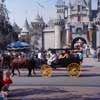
[7, 79]
[6, 83]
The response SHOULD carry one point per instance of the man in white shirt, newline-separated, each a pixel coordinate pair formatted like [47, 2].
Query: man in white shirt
[39, 56]
[52, 58]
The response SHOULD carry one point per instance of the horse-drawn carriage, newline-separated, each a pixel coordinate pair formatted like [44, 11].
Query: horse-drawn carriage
[72, 63]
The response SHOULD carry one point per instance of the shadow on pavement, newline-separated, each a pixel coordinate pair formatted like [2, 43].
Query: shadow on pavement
[91, 99]
[87, 66]
[47, 94]
[89, 75]
[54, 75]
[84, 70]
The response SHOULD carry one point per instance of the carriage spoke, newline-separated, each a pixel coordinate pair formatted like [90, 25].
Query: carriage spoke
[46, 70]
[73, 69]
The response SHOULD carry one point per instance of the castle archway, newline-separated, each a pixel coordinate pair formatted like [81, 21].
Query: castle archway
[79, 30]
[78, 41]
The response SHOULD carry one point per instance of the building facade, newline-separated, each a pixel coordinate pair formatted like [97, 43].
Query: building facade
[73, 23]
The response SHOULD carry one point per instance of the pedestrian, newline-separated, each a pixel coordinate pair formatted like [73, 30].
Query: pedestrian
[6, 83]
[7, 79]
[98, 55]
[39, 58]
[87, 51]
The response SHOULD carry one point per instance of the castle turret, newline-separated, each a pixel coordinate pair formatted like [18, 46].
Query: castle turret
[24, 35]
[68, 35]
[90, 29]
[98, 5]
[16, 28]
[38, 22]
[90, 8]
[60, 5]
[27, 25]
[38, 36]
[98, 26]
[58, 30]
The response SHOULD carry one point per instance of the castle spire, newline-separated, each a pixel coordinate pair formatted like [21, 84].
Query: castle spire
[60, 5]
[26, 25]
[80, 2]
[98, 5]
[1, 1]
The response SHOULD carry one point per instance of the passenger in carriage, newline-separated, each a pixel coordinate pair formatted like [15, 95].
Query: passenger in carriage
[64, 55]
[70, 54]
[80, 56]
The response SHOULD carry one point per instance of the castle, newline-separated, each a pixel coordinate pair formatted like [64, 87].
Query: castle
[73, 23]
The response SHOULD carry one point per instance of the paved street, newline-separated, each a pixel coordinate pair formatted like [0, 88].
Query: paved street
[60, 86]
[89, 76]
[55, 93]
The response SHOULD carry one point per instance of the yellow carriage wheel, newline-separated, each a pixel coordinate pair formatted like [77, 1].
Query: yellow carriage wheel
[73, 69]
[46, 70]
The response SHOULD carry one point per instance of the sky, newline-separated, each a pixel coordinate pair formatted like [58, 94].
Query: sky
[19, 10]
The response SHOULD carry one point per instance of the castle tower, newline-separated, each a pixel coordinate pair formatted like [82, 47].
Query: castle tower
[60, 5]
[26, 25]
[90, 29]
[98, 5]
[79, 11]
[16, 28]
[90, 8]
[58, 30]
[25, 36]
[38, 36]
[98, 26]
[68, 35]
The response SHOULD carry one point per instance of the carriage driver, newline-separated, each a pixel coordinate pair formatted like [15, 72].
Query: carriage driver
[52, 57]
